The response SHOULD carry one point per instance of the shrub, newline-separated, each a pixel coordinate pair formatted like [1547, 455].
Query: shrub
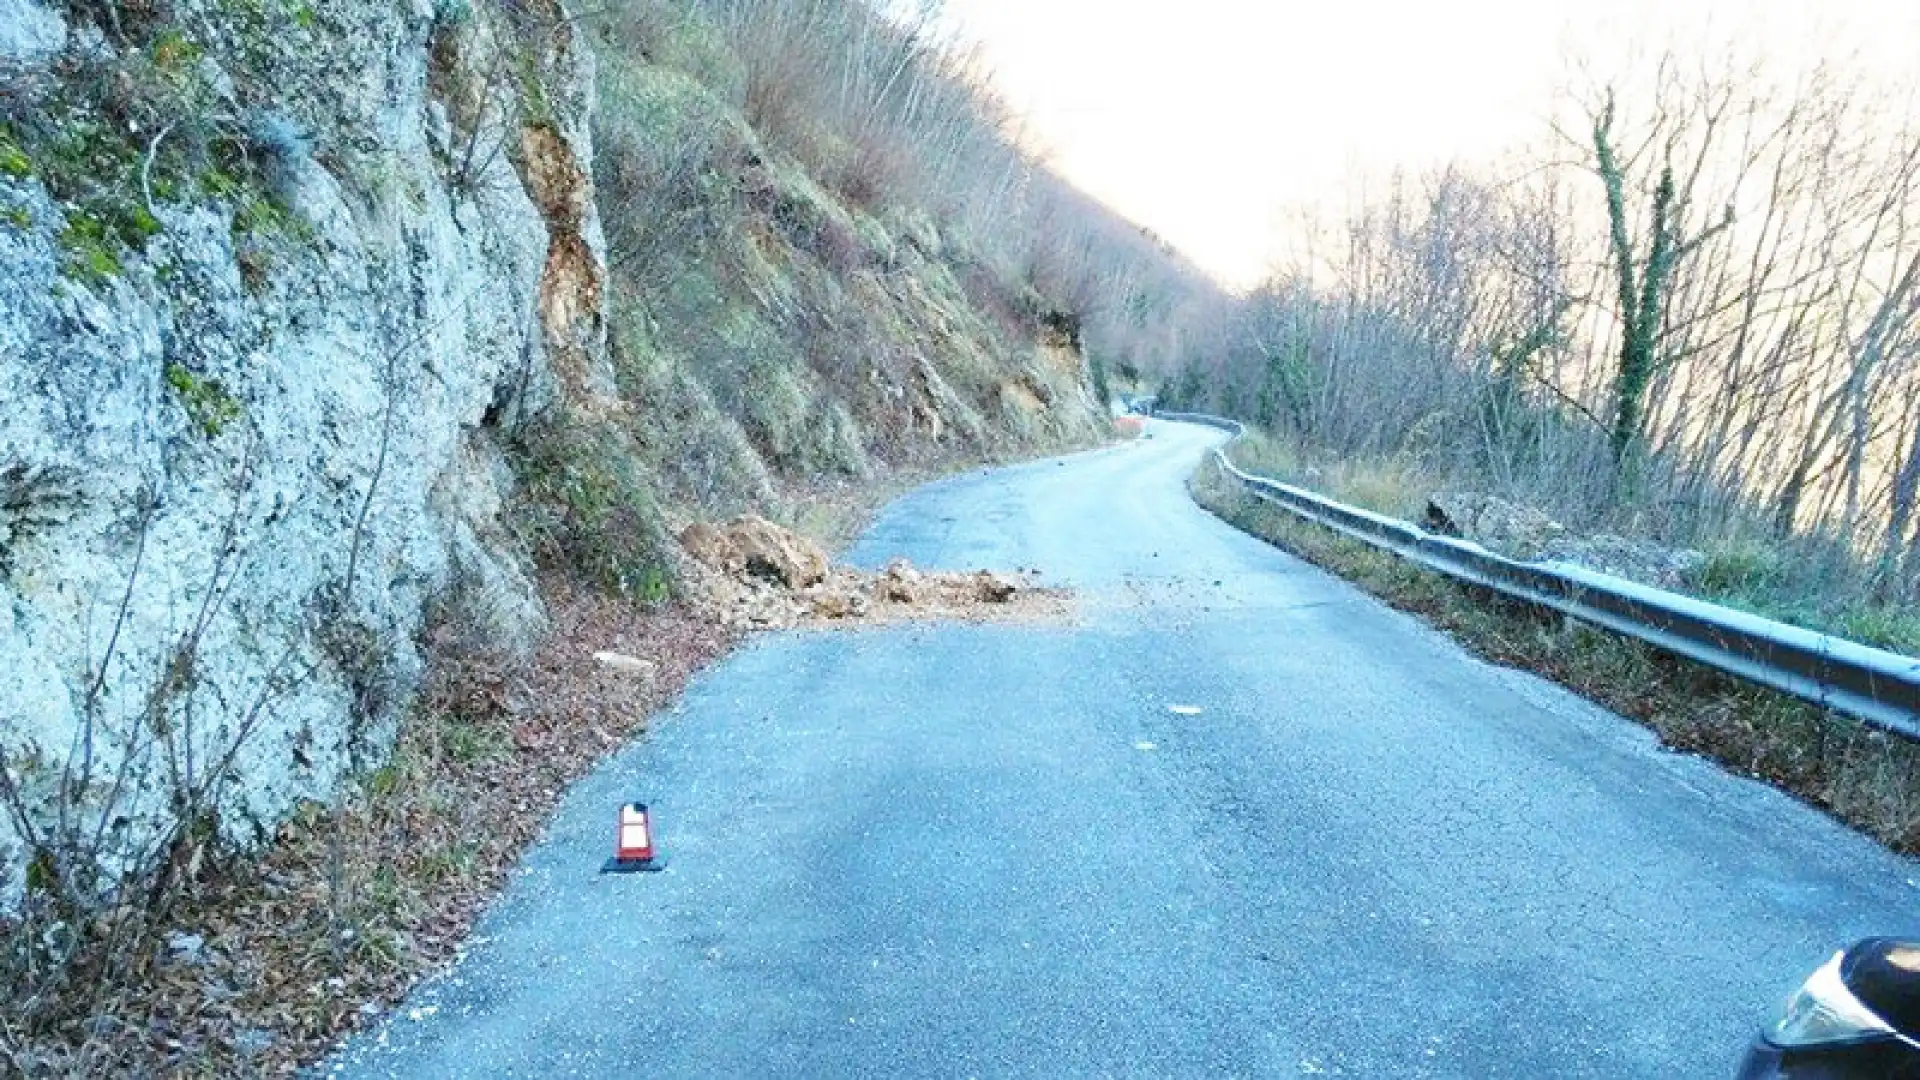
[1737, 569]
[208, 403]
[586, 506]
[14, 162]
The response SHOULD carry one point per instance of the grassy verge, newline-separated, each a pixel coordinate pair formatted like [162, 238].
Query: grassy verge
[1862, 776]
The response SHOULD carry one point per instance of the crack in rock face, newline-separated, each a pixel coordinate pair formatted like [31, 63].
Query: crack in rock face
[572, 282]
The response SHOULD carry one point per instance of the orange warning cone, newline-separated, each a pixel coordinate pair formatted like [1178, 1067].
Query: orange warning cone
[633, 843]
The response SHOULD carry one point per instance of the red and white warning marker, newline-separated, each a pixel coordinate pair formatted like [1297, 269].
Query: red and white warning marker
[633, 843]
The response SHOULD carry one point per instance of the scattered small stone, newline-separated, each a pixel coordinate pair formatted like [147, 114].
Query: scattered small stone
[627, 665]
[839, 603]
[901, 583]
[995, 589]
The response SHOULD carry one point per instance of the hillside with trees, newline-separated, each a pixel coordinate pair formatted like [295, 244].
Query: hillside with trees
[1690, 315]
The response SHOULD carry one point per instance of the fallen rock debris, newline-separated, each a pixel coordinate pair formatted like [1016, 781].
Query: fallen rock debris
[752, 546]
[751, 574]
[1528, 533]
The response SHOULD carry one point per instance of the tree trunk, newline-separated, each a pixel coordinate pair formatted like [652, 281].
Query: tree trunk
[1642, 293]
[1901, 569]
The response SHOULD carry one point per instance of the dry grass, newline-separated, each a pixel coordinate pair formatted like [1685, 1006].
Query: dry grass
[1395, 486]
[1862, 776]
[347, 908]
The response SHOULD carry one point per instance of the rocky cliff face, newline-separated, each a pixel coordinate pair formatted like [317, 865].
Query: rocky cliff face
[248, 441]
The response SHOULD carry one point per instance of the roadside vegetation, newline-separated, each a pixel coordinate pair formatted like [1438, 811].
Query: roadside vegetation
[1689, 316]
[1735, 573]
[255, 964]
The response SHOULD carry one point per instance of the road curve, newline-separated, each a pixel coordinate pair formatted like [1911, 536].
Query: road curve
[997, 851]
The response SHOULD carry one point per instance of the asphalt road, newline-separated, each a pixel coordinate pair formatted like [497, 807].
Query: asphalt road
[998, 851]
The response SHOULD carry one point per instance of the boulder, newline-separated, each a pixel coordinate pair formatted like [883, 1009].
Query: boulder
[767, 551]
[1636, 560]
[710, 546]
[840, 601]
[1527, 533]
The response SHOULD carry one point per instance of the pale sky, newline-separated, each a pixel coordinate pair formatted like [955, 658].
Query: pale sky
[1210, 121]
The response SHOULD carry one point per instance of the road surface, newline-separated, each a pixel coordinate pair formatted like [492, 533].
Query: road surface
[999, 851]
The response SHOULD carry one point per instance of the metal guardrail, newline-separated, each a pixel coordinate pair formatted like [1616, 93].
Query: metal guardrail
[1876, 686]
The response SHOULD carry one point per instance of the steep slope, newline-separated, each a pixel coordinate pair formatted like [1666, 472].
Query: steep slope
[767, 328]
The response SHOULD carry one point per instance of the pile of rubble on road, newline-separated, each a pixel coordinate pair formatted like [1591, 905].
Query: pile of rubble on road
[751, 574]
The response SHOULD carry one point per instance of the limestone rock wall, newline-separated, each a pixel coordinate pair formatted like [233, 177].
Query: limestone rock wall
[238, 469]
